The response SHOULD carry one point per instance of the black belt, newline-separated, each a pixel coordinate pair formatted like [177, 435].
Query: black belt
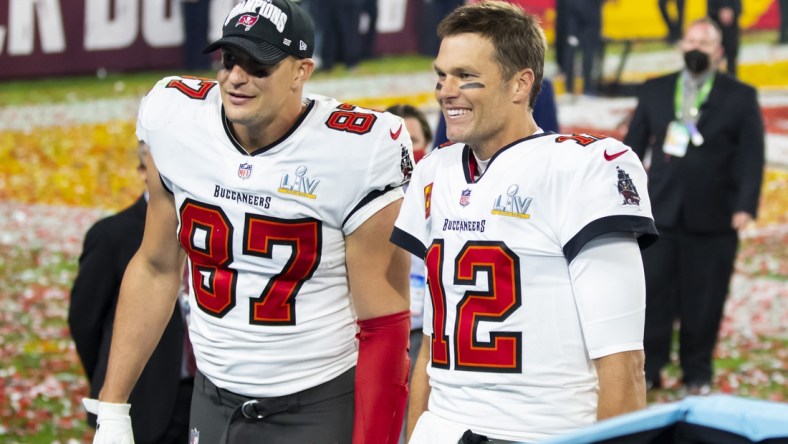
[474, 438]
[260, 408]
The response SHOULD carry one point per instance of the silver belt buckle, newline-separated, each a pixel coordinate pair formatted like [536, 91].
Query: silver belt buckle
[250, 405]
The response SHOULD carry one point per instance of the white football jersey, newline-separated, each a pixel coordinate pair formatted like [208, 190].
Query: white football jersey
[264, 233]
[509, 357]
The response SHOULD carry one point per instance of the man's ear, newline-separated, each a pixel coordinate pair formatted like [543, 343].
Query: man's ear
[522, 85]
[305, 69]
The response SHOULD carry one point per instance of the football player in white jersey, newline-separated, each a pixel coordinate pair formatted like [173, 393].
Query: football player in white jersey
[279, 201]
[534, 320]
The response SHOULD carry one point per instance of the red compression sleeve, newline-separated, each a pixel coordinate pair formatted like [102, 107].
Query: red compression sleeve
[381, 379]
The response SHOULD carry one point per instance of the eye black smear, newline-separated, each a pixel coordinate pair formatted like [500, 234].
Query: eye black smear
[472, 85]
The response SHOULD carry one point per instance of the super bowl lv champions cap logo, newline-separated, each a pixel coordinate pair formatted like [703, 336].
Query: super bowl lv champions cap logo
[267, 30]
[263, 8]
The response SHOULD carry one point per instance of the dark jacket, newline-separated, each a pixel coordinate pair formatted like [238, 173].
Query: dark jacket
[108, 247]
[722, 176]
[713, 7]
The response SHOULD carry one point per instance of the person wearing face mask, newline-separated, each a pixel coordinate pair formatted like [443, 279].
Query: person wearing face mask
[702, 133]
[418, 127]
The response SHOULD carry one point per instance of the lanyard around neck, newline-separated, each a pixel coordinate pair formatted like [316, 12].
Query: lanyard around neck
[703, 93]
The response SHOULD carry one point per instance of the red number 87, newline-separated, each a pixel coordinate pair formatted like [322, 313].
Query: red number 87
[206, 234]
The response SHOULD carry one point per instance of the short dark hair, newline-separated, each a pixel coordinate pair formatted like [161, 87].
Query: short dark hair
[517, 36]
[404, 110]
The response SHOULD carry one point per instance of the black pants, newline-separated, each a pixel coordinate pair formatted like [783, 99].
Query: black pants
[584, 27]
[368, 40]
[177, 431]
[320, 415]
[195, 21]
[339, 20]
[687, 275]
[675, 26]
[730, 43]
[430, 14]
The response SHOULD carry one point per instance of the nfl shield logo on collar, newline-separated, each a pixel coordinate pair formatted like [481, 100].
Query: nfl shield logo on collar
[465, 197]
[245, 171]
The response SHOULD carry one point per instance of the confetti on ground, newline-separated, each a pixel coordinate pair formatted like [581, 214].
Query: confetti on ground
[54, 180]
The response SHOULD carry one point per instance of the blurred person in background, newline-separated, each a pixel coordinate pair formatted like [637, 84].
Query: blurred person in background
[312, 8]
[196, 14]
[560, 39]
[583, 24]
[703, 134]
[418, 127]
[725, 14]
[675, 24]
[421, 136]
[783, 37]
[339, 22]
[433, 11]
[163, 394]
[369, 38]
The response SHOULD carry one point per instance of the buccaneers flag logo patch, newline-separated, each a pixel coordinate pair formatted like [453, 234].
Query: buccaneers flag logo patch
[406, 164]
[247, 21]
[627, 189]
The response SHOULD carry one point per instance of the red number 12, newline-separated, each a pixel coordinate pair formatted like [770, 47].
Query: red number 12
[502, 354]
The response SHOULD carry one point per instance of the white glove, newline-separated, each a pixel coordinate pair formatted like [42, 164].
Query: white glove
[114, 422]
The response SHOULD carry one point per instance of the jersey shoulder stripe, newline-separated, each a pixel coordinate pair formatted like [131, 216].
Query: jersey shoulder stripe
[583, 151]
[178, 99]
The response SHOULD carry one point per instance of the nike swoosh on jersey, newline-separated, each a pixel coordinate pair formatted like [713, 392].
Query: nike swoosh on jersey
[395, 134]
[610, 157]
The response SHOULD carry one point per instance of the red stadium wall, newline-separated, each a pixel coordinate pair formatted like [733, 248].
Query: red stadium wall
[57, 37]
[770, 19]
[65, 37]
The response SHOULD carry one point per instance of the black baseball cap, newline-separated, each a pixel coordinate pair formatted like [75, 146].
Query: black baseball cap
[267, 30]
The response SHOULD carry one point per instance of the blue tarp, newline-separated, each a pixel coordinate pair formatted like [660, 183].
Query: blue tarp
[753, 419]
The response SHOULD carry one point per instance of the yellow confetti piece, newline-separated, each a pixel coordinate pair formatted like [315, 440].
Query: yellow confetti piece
[83, 165]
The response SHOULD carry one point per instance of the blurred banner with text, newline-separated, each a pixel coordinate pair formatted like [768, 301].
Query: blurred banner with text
[45, 38]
